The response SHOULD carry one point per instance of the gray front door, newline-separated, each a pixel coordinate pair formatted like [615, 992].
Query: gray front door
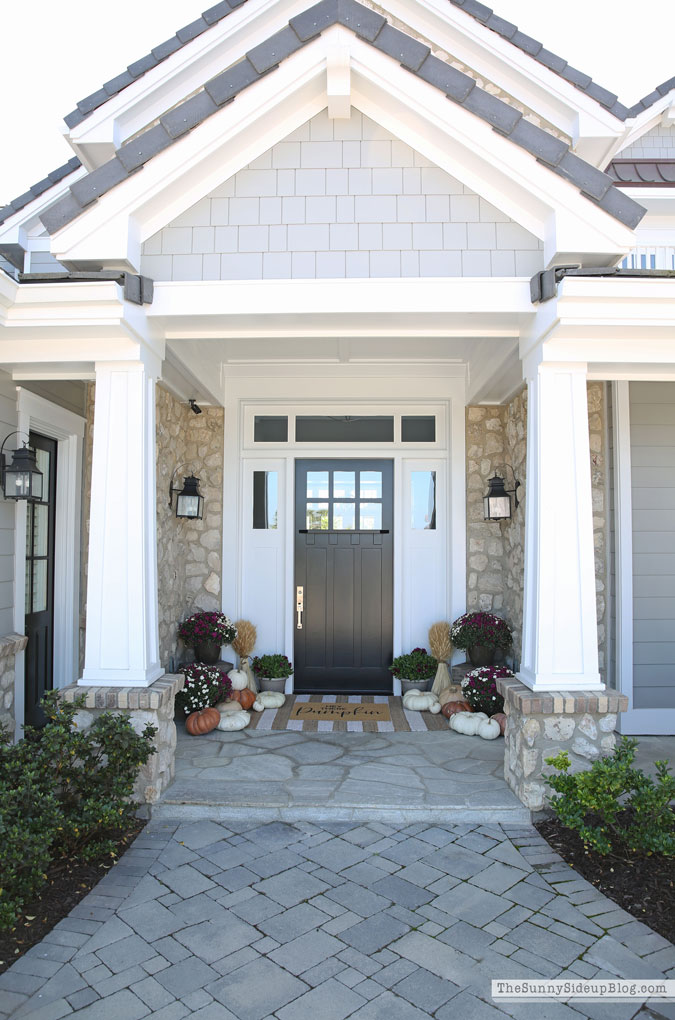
[344, 575]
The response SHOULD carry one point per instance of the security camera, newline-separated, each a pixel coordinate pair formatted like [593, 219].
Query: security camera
[194, 406]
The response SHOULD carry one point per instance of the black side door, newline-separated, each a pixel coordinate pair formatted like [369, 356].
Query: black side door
[344, 576]
[39, 625]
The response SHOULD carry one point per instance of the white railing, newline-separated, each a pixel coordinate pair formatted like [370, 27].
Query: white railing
[650, 257]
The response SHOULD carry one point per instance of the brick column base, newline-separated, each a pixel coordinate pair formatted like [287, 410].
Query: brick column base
[153, 704]
[540, 724]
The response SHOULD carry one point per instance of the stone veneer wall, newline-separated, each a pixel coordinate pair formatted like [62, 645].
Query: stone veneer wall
[188, 552]
[10, 645]
[497, 436]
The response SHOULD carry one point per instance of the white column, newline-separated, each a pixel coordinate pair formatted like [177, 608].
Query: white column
[560, 642]
[122, 642]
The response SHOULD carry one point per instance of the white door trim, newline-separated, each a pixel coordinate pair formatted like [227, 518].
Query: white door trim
[635, 720]
[67, 429]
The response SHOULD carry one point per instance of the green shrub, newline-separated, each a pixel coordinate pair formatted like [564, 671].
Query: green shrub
[614, 807]
[63, 792]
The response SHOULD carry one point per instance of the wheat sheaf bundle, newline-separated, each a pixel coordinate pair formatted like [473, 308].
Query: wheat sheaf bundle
[243, 644]
[441, 649]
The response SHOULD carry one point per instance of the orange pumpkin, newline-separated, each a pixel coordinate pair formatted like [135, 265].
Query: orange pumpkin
[245, 698]
[501, 719]
[202, 722]
[450, 707]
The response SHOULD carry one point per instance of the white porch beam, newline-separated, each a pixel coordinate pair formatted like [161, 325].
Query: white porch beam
[122, 643]
[559, 648]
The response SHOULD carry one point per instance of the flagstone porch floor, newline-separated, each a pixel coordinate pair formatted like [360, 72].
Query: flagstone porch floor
[294, 776]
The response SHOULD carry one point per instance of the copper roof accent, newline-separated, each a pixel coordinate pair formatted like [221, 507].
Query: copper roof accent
[642, 173]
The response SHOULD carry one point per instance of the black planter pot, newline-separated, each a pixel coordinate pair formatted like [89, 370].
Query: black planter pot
[482, 655]
[207, 652]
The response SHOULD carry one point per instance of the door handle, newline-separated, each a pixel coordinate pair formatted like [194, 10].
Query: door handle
[299, 604]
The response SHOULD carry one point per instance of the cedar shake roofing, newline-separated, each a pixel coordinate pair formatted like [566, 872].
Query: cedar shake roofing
[485, 15]
[374, 29]
[38, 189]
[645, 173]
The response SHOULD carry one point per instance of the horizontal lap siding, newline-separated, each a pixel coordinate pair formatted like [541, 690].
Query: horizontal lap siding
[652, 433]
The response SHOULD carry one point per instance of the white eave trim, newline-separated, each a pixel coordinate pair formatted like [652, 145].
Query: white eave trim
[113, 228]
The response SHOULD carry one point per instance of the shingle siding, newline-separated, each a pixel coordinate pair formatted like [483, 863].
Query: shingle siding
[340, 198]
[659, 143]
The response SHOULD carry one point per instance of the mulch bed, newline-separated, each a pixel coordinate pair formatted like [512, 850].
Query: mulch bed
[68, 881]
[644, 886]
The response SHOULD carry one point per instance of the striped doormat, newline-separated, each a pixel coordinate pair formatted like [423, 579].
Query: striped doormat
[388, 716]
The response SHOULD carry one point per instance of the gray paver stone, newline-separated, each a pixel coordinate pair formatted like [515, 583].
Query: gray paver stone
[212, 940]
[257, 990]
[389, 1007]
[374, 933]
[293, 922]
[186, 976]
[332, 1001]
[468, 903]
[426, 990]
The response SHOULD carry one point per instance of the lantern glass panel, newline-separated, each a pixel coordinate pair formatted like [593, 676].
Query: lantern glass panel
[188, 506]
[497, 508]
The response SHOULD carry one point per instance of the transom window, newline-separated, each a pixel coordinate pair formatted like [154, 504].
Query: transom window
[374, 429]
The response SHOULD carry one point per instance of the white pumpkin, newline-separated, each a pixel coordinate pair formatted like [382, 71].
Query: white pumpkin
[238, 679]
[268, 699]
[467, 722]
[234, 720]
[228, 707]
[489, 729]
[421, 701]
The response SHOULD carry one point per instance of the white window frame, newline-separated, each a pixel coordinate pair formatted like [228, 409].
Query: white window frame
[39, 415]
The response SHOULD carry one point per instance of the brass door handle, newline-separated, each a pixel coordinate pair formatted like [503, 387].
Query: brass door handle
[299, 604]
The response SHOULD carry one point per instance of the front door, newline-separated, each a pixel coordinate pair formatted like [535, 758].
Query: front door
[343, 576]
[39, 625]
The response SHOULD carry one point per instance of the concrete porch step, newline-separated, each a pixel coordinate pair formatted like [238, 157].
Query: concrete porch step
[440, 777]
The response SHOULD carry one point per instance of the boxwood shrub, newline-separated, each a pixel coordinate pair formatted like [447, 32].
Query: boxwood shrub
[63, 793]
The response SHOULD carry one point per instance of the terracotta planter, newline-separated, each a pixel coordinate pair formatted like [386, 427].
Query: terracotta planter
[277, 683]
[481, 655]
[415, 685]
[207, 652]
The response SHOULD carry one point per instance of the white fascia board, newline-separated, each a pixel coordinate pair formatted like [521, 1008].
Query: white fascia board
[174, 79]
[25, 223]
[75, 322]
[414, 111]
[520, 76]
[345, 307]
[8, 291]
[617, 320]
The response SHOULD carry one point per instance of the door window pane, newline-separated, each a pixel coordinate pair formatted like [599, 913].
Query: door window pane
[370, 485]
[317, 516]
[344, 429]
[423, 500]
[40, 529]
[344, 516]
[39, 585]
[344, 485]
[371, 516]
[317, 485]
[269, 428]
[265, 499]
[418, 428]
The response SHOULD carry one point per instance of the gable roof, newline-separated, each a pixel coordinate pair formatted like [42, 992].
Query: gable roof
[38, 189]
[485, 15]
[373, 28]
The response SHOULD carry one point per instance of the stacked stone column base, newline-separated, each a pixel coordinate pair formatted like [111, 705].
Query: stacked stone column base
[143, 705]
[539, 725]
[10, 646]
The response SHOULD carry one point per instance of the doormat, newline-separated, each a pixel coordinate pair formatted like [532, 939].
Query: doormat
[346, 713]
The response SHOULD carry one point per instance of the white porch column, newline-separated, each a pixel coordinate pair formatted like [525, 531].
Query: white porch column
[122, 642]
[560, 643]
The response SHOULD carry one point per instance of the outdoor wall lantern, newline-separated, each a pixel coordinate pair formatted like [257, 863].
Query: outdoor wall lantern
[189, 501]
[497, 502]
[22, 479]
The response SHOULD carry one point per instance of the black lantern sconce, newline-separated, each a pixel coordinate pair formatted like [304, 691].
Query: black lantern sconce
[189, 500]
[22, 479]
[497, 502]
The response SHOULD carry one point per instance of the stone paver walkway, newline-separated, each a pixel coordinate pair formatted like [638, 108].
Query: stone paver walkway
[390, 777]
[327, 921]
